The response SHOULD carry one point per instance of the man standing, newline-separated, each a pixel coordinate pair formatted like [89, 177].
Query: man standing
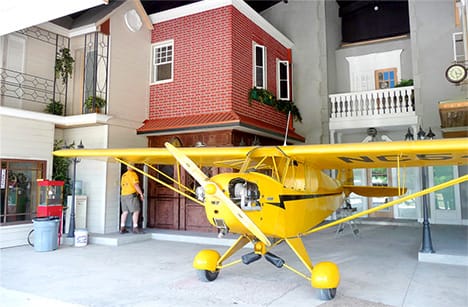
[130, 195]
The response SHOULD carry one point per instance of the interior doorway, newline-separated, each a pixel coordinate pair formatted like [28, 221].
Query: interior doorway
[380, 177]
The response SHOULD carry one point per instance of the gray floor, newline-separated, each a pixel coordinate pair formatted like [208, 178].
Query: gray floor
[380, 268]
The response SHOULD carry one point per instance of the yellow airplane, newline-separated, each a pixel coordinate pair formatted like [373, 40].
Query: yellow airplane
[278, 194]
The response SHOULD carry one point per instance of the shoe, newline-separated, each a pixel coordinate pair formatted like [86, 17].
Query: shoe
[123, 230]
[137, 230]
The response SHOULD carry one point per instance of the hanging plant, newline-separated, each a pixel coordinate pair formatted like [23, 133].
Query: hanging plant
[283, 106]
[64, 65]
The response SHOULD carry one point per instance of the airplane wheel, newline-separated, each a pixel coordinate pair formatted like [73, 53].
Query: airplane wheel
[327, 294]
[205, 275]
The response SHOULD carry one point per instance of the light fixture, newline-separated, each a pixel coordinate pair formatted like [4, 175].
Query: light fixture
[409, 136]
[71, 230]
[430, 134]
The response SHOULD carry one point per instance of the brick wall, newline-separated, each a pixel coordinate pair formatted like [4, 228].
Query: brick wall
[245, 33]
[202, 65]
[213, 66]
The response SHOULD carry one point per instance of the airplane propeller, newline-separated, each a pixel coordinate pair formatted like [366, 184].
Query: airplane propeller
[212, 188]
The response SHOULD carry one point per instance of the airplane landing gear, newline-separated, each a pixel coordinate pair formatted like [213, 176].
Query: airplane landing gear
[326, 277]
[205, 275]
[327, 294]
[206, 262]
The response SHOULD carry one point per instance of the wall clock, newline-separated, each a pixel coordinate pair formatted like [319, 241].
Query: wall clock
[456, 73]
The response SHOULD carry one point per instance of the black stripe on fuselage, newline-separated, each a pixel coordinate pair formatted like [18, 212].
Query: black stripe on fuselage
[289, 197]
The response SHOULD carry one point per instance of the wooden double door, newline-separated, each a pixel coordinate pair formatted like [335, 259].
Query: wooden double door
[169, 210]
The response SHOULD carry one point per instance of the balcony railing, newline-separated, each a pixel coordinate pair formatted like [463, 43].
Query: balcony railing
[383, 103]
[20, 87]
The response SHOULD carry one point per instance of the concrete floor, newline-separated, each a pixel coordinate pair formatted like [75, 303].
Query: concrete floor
[380, 268]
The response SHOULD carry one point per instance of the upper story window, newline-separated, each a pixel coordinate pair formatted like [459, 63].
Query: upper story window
[385, 78]
[259, 66]
[282, 75]
[162, 62]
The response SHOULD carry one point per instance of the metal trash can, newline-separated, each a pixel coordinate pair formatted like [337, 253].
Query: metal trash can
[46, 233]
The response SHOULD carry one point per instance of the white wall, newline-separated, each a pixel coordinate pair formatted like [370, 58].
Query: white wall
[29, 140]
[309, 57]
[432, 24]
[129, 69]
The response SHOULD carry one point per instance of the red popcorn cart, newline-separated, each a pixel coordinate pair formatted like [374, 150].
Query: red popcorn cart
[50, 201]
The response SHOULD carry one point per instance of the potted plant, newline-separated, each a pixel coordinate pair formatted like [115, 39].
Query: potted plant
[64, 65]
[54, 107]
[94, 103]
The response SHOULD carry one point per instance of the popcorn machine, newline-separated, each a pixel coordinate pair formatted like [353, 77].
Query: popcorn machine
[50, 201]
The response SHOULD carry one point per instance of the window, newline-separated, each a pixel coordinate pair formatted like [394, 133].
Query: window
[259, 66]
[18, 190]
[162, 59]
[385, 78]
[282, 74]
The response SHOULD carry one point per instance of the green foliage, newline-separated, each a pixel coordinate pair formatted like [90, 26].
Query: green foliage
[60, 168]
[283, 106]
[404, 82]
[64, 65]
[54, 107]
[94, 102]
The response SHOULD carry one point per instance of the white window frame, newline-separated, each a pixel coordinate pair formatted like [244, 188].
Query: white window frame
[154, 47]
[264, 65]
[279, 80]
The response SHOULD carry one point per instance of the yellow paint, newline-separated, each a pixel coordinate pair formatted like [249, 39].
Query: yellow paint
[206, 259]
[326, 275]
[294, 194]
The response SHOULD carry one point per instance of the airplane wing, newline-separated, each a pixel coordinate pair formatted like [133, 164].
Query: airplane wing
[323, 156]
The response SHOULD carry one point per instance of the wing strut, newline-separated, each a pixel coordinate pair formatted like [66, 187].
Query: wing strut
[161, 182]
[389, 204]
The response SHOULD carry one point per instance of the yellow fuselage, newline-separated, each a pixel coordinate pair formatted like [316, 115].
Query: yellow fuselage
[281, 210]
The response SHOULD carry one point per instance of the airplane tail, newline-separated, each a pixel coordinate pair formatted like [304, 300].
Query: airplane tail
[346, 178]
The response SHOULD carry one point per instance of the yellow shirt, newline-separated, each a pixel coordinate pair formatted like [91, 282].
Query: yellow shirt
[129, 178]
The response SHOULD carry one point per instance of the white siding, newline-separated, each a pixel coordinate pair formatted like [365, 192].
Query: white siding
[27, 139]
[14, 235]
[30, 140]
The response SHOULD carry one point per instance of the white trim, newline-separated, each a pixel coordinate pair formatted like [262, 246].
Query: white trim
[206, 5]
[278, 80]
[62, 121]
[264, 66]
[169, 42]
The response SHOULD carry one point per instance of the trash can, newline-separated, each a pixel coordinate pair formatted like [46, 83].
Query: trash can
[46, 233]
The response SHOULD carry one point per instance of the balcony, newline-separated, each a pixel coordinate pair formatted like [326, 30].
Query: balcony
[24, 91]
[377, 108]
[27, 87]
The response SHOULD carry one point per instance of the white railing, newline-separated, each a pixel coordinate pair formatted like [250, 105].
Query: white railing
[386, 102]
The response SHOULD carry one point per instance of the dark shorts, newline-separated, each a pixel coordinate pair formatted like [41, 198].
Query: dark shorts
[130, 202]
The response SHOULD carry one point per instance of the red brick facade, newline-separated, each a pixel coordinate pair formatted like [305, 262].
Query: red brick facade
[213, 66]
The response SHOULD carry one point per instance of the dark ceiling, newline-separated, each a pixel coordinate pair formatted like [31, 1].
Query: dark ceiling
[154, 6]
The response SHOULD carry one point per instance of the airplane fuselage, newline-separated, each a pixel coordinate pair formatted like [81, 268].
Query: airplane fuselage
[277, 209]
